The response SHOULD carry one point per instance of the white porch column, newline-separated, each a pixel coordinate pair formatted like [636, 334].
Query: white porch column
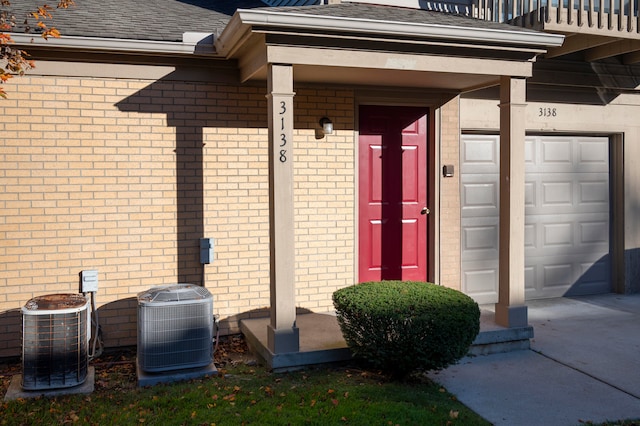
[282, 333]
[511, 310]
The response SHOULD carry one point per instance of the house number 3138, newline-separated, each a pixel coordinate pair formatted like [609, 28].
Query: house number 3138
[283, 137]
[547, 112]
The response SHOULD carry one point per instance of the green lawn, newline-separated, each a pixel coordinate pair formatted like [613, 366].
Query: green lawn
[247, 394]
[243, 394]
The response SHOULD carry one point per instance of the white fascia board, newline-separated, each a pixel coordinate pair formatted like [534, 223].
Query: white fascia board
[405, 29]
[189, 46]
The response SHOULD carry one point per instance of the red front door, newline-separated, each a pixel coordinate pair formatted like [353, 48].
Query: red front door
[393, 193]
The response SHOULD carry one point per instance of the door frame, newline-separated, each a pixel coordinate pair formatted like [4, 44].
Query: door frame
[433, 181]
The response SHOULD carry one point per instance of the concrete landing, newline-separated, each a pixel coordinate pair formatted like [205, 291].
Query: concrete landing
[321, 340]
[15, 390]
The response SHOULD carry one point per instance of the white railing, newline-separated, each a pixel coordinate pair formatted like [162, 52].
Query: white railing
[612, 15]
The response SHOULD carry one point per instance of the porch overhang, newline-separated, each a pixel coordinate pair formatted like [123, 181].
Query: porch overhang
[337, 50]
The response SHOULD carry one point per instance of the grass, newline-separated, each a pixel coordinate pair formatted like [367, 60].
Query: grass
[244, 394]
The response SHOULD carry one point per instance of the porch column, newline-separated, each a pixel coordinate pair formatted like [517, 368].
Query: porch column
[511, 310]
[282, 333]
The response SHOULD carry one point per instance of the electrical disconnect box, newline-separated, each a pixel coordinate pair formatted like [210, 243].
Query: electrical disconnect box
[89, 281]
[206, 250]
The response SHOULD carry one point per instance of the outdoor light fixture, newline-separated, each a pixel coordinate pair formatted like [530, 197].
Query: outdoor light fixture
[327, 125]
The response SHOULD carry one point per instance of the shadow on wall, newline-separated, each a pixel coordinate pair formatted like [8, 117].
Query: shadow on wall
[594, 280]
[598, 277]
[194, 99]
[11, 330]
[188, 113]
[118, 322]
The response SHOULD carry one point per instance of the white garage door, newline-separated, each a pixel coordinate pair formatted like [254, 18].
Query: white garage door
[567, 216]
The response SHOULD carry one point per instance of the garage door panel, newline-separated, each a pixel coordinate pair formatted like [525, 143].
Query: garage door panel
[559, 194]
[557, 235]
[556, 154]
[593, 192]
[530, 278]
[480, 198]
[557, 275]
[584, 234]
[593, 156]
[566, 222]
[480, 241]
[556, 193]
[481, 276]
[479, 154]
[594, 233]
[480, 195]
[530, 235]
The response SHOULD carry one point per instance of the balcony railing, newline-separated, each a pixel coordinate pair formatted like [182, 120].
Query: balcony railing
[597, 17]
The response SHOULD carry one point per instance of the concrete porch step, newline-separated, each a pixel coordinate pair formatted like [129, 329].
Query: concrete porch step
[495, 339]
[321, 340]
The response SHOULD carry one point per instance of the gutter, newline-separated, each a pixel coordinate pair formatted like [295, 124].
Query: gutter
[192, 43]
[407, 29]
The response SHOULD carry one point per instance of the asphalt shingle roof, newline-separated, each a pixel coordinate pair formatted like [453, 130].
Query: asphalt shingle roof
[397, 14]
[163, 20]
[167, 20]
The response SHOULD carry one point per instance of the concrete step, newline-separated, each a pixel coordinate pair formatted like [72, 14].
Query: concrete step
[496, 339]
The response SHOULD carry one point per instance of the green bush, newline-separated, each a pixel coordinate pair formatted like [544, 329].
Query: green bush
[404, 326]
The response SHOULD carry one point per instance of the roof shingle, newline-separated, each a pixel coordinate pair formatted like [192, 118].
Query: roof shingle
[167, 20]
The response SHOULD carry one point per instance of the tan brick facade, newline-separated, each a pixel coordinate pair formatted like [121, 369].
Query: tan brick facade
[125, 175]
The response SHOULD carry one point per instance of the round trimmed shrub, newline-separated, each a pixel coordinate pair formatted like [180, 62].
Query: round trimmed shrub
[402, 326]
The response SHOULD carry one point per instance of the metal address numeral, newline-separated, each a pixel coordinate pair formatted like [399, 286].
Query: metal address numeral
[283, 137]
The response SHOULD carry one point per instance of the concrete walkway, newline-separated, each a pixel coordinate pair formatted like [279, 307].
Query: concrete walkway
[583, 365]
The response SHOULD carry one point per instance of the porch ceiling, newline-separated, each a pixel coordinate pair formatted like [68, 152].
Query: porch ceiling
[350, 76]
[370, 68]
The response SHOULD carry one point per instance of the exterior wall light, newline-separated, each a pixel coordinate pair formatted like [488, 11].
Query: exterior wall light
[327, 125]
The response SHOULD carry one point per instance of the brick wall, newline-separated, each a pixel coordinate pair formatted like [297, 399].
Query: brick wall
[124, 176]
[450, 196]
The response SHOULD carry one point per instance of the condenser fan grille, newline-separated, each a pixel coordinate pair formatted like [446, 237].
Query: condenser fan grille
[55, 342]
[174, 333]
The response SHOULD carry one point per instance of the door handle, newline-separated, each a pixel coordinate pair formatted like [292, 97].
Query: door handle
[425, 210]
